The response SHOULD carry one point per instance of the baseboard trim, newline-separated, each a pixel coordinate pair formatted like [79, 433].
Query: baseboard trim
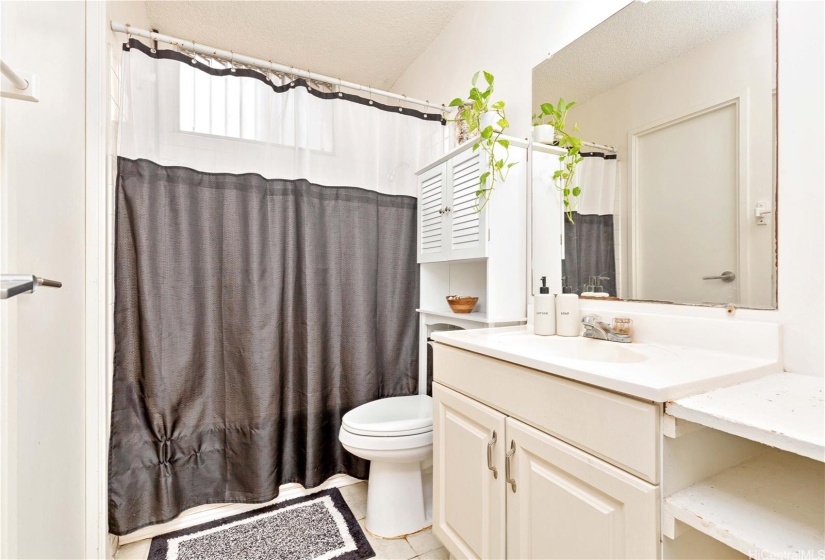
[211, 512]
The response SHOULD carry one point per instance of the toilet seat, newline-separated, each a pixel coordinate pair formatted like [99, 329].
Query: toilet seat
[373, 444]
[391, 417]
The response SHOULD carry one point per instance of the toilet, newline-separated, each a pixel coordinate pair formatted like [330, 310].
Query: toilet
[396, 435]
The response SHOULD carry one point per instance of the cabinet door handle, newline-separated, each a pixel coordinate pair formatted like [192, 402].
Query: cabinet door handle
[508, 459]
[490, 445]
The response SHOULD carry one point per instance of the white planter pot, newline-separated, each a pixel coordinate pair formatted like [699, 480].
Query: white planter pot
[544, 134]
[490, 118]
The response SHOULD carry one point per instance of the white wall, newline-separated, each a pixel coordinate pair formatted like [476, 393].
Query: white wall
[505, 38]
[43, 183]
[523, 33]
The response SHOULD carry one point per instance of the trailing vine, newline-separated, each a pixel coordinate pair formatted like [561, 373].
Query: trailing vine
[556, 115]
[471, 110]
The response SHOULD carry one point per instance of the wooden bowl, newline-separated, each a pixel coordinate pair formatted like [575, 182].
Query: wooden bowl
[462, 304]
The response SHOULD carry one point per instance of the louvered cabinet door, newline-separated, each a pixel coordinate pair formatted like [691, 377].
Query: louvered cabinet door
[432, 245]
[466, 225]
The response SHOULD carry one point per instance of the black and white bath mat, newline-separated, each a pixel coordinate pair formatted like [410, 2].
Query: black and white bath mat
[319, 526]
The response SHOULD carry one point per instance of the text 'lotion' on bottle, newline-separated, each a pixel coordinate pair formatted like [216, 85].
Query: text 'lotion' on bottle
[544, 310]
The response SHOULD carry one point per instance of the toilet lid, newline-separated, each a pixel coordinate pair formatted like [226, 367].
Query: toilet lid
[393, 416]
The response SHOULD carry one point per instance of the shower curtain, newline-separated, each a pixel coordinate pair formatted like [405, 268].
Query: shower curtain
[265, 280]
[589, 248]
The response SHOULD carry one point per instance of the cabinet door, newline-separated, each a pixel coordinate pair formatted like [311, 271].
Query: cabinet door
[468, 509]
[467, 226]
[568, 504]
[432, 200]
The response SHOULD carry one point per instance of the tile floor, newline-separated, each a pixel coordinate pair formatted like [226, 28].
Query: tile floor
[419, 546]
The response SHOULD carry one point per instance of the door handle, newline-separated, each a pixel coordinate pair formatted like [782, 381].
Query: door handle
[490, 445]
[508, 459]
[726, 276]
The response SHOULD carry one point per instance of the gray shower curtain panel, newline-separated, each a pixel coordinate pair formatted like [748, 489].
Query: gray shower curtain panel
[589, 251]
[250, 315]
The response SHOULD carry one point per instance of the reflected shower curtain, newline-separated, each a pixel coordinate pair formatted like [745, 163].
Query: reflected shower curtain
[265, 281]
[589, 249]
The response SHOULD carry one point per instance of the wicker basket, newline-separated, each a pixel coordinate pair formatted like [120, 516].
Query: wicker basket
[462, 304]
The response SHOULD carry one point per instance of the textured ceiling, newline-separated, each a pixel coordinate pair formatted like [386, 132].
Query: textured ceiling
[370, 43]
[637, 39]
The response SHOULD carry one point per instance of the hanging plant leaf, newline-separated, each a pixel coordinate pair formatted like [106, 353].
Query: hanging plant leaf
[474, 107]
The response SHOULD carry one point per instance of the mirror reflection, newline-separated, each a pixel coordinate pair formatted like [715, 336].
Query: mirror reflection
[675, 104]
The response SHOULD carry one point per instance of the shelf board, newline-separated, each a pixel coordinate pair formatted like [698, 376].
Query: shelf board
[771, 506]
[474, 317]
[783, 410]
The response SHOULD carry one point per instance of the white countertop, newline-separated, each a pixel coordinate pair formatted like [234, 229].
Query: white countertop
[651, 371]
[783, 410]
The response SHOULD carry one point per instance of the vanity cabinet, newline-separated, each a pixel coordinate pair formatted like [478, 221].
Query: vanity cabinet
[504, 488]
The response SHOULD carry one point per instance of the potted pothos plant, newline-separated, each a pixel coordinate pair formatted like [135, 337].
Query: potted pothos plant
[543, 133]
[489, 120]
[556, 116]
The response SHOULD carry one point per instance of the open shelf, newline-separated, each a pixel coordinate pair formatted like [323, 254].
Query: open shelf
[783, 410]
[476, 317]
[771, 506]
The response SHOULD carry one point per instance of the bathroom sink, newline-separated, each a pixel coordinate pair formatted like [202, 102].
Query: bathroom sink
[573, 348]
[656, 371]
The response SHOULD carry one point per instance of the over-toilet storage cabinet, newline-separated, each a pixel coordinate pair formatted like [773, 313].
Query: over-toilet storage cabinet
[465, 252]
[529, 465]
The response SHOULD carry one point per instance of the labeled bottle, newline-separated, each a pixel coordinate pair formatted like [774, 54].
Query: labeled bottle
[544, 310]
[568, 315]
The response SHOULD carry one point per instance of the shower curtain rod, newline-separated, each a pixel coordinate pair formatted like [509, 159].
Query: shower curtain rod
[260, 63]
[604, 147]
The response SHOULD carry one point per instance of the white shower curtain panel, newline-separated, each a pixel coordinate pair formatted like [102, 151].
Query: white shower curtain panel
[237, 124]
[597, 179]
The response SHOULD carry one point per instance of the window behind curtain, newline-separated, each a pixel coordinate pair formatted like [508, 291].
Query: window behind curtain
[229, 107]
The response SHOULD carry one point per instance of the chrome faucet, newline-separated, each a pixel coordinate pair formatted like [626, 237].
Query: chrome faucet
[597, 329]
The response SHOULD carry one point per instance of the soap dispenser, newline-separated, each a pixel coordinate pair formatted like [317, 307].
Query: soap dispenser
[544, 309]
[568, 315]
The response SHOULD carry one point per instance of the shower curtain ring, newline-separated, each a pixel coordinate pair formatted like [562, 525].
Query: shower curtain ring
[370, 92]
[128, 36]
[269, 73]
[194, 52]
[232, 61]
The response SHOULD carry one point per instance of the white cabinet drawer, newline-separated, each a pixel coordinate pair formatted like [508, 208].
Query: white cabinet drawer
[619, 429]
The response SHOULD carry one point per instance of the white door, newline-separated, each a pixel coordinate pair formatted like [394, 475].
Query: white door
[564, 503]
[432, 201]
[468, 493]
[686, 209]
[467, 226]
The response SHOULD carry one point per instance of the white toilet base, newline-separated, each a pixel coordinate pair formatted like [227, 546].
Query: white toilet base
[399, 499]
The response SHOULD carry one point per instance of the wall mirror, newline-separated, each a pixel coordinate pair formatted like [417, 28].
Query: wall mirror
[676, 104]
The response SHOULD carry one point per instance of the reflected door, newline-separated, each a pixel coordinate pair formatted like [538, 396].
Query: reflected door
[685, 197]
